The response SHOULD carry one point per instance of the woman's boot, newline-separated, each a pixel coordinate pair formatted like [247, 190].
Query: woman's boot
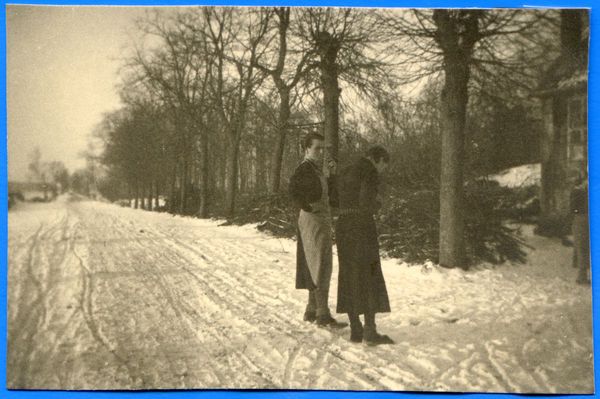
[356, 328]
[370, 335]
[310, 314]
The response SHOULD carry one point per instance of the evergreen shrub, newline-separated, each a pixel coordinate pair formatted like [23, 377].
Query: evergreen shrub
[409, 224]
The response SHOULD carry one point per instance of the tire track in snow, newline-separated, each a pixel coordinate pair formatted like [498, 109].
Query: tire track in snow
[288, 372]
[517, 379]
[223, 284]
[94, 325]
[153, 281]
[228, 298]
[50, 320]
[42, 274]
[211, 256]
[22, 330]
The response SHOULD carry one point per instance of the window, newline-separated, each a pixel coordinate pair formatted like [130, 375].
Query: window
[577, 128]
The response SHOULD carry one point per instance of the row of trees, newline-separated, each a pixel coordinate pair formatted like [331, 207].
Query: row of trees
[55, 178]
[215, 100]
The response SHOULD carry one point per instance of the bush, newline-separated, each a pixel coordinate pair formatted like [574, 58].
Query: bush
[487, 237]
[192, 203]
[14, 197]
[275, 213]
[409, 224]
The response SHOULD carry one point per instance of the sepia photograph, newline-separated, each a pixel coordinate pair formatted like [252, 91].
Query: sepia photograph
[298, 198]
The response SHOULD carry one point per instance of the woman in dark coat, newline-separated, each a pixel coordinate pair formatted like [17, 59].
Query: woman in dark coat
[311, 191]
[361, 287]
[580, 225]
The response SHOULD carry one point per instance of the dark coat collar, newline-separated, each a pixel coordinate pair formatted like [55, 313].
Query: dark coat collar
[313, 164]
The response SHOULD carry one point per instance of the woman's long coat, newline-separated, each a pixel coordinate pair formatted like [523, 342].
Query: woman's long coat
[307, 191]
[361, 286]
[581, 231]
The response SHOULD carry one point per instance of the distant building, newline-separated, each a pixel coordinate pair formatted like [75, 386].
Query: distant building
[563, 93]
[31, 191]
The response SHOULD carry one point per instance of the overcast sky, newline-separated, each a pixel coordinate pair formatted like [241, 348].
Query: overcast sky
[62, 65]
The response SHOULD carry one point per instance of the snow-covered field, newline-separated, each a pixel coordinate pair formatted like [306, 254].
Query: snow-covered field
[106, 297]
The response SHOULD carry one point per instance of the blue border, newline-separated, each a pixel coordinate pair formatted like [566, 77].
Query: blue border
[594, 165]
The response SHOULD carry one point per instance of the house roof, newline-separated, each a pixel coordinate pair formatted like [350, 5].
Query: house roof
[566, 75]
[576, 81]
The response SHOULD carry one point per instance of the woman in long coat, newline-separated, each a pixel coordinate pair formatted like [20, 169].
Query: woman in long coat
[311, 191]
[580, 225]
[361, 286]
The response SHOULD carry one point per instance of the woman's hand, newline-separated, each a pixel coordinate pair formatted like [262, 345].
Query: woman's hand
[331, 165]
[316, 207]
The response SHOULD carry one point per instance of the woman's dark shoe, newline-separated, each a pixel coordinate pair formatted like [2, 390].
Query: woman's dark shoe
[374, 339]
[356, 335]
[310, 316]
[583, 281]
[330, 322]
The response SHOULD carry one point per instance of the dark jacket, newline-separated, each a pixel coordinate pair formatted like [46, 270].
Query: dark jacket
[305, 186]
[579, 200]
[361, 286]
[357, 187]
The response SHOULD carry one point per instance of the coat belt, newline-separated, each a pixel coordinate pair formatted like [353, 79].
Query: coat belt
[348, 211]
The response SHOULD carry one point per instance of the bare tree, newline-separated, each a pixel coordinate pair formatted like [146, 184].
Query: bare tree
[462, 43]
[59, 176]
[175, 74]
[345, 42]
[35, 164]
[38, 170]
[234, 40]
[286, 75]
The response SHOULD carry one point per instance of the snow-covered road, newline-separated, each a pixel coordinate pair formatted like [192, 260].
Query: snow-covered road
[104, 297]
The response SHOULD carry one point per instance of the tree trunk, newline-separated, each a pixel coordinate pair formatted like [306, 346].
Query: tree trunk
[173, 186]
[331, 96]
[328, 50]
[457, 34]
[454, 100]
[150, 195]
[282, 127]
[204, 176]
[156, 195]
[183, 188]
[261, 169]
[231, 180]
[143, 195]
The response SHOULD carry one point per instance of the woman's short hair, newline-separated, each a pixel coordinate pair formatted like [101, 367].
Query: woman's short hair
[377, 154]
[307, 140]
[577, 174]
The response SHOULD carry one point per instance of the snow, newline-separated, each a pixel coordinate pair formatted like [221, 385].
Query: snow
[119, 298]
[520, 176]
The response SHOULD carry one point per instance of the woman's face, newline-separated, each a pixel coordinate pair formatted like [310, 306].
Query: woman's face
[316, 151]
[575, 177]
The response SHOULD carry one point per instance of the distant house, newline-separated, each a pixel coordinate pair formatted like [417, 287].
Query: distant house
[29, 191]
[563, 93]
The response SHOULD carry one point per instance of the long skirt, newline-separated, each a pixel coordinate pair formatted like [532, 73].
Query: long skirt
[361, 286]
[314, 256]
